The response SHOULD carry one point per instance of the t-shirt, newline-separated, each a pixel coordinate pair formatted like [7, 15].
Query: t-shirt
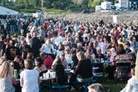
[48, 62]
[30, 80]
[6, 85]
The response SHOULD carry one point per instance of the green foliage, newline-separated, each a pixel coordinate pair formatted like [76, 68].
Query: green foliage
[28, 10]
[93, 3]
[81, 2]
[66, 5]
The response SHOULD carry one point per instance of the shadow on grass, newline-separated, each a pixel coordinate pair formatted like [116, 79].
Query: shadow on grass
[115, 86]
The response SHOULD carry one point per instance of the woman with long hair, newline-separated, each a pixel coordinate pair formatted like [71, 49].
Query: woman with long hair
[39, 66]
[47, 47]
[59, 69]
[6, 77]
[83, 71]
[114, 42]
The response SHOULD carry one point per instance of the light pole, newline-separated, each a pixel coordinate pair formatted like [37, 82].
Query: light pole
[42, 3]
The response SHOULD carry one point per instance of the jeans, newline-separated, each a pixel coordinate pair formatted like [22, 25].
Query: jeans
[84, 79]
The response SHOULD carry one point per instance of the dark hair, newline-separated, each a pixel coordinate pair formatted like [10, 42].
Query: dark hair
[58, 60]
[128, 43]
[16, 66]
[17, 56]
[38, 59]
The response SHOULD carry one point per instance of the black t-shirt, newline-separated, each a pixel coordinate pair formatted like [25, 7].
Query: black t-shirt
[59, 69]
[11, 52]
[84, 69]
[25, 50]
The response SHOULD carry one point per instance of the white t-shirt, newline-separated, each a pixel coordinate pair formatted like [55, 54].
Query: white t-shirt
[30, 80]
[103, 46]
[59, 39]
[132, 85]
[47, 49]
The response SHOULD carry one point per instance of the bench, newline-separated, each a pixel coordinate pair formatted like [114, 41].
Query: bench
[59, 88]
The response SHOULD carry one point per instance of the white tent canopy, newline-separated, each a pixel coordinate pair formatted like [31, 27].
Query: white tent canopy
[6, 11]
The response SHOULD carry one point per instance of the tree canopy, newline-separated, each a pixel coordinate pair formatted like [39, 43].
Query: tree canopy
[55, 4]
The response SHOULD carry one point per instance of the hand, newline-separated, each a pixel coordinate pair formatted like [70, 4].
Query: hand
[72, 71]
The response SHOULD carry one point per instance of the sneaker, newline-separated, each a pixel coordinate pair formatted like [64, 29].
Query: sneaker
[72, 89]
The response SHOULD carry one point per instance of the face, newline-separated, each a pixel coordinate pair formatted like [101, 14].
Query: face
[17, 59]
[99, 52]
[67, 50]
[78, 57]
[42, 57]
[62, 56]
[134, 40]
[91, 90]
[36, 63]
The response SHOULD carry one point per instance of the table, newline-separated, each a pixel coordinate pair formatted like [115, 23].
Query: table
[44, 82]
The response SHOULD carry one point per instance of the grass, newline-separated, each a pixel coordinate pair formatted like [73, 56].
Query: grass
[108, 84]
[56, 11]
[114, 86]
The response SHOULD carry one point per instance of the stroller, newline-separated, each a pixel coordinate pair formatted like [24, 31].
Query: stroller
[124, 62]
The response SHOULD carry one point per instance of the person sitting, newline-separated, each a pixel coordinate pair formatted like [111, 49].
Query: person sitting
[17, 66]
[29, 78]
[99, 56]
[83, 71]
[120, 49]
[59, 69]
[96, 87]
[6, 77]
[39, 66]
[47, 60]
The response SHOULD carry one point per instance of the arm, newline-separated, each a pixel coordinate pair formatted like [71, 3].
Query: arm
[21, 81]
[78, 68]
[13, 80]
[36, 68]
[22, 56]
[38, 80]
[128, 87]
[42, 48]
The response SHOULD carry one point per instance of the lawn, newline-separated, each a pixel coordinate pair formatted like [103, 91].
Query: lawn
[56, 11]
[115, 86]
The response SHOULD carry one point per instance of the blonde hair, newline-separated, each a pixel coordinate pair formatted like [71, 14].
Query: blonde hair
[81, 55]
[28, 64]
[48, 42]
[5, 69]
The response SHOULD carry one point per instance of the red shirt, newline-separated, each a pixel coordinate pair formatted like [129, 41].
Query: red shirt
[48, 62]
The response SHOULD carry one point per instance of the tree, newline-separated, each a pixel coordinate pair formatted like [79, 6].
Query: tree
[80, 2]
[93, 3]
[4, 2]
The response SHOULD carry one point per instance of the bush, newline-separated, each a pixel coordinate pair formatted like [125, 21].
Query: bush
[28, 10]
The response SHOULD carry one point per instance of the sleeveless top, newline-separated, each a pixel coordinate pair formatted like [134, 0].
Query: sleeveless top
[6, 85]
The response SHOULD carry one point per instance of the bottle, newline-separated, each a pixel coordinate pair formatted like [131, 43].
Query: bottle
[102, 60]
[15, 73]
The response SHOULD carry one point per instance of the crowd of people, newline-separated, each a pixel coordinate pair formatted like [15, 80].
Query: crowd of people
[38, 44]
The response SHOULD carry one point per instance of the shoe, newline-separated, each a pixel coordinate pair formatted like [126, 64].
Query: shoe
[109, 90]
[72, 89]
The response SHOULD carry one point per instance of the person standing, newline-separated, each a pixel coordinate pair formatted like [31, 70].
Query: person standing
[35, 44]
